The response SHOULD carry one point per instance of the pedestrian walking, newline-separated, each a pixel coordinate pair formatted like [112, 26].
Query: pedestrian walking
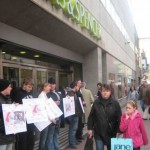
[104, 119]
[132, 126]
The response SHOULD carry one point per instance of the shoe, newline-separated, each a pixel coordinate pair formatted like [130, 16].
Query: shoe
[145, 119]
[73, 147]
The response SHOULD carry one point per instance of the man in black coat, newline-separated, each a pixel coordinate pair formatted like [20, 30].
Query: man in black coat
[104, 119]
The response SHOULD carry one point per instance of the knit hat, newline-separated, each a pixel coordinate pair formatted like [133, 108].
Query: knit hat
[51, 80]
[4, 84]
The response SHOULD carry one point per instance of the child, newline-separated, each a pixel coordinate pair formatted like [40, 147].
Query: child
[132, 126]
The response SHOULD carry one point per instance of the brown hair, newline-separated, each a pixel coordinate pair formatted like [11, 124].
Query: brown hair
[28, 81]
[133, 104]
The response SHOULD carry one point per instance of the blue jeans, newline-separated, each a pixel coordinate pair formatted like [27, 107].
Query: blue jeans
[52, 140]
[100, 145]
[142, 103]
[43, 139]
[73, 126]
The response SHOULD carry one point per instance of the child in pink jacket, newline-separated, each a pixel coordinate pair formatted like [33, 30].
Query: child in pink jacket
[132, 126]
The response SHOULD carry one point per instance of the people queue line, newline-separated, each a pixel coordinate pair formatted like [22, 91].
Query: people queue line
[104, 120]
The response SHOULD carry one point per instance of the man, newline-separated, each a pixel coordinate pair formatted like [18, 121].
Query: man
[104, 119]
[88, 98]
[80, 122]
[6, 141]
[73, 119]
[25, 140]
[142, 94]
[53, 129]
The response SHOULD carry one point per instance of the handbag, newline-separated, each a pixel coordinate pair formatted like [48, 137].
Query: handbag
[89, 143]
[121, 144]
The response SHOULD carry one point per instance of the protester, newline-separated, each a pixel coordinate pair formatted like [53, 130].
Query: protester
[132, 125]
[80, 121]
[6, 141]
[104, 119]
[25, 140]
[99, 88]
[73, 119]
[53, 129]
[44, 142]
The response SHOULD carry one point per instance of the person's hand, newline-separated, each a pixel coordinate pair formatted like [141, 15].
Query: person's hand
[57, 103]
[127, 116]
[53, 121]
[90, 133]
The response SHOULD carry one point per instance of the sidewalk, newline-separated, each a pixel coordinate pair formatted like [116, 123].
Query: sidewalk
[147, 126]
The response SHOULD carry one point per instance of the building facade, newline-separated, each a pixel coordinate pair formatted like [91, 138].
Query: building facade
[95, 41]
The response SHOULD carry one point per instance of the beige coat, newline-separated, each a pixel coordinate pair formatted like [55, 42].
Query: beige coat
[89, 99]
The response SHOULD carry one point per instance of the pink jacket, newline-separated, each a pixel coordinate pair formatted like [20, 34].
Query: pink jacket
[133, 128]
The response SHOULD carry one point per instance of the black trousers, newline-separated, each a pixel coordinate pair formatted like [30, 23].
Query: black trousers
[136, 148]
[80, 128]
[25, 140]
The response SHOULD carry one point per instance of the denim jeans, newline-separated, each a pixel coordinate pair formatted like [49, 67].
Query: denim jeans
[43, 139]
[52, 139]
[73, 126]
[6, 147]
[100, 145]
[142, 103]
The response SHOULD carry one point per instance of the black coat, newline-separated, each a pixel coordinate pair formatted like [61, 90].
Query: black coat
[4, 139]
[104, 119]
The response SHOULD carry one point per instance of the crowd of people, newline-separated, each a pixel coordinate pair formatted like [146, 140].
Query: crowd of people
[102, 115]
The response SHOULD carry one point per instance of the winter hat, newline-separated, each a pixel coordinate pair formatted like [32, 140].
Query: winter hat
[51, 80]
[4, 84]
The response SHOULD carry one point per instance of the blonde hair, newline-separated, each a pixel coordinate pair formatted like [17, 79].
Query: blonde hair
[133, 104]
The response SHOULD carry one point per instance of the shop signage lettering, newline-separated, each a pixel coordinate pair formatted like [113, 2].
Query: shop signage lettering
[78, 13]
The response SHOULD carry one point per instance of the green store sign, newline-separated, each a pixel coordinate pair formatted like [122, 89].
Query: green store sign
[78, 13]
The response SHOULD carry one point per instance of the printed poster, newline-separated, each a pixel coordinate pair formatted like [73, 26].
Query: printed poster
[14, 118]
[35, 110]
[53, 109]
[69, 106]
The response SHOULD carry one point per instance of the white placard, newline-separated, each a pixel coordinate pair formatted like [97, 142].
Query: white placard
[69, 106]
[35, 110]
[52, 108]
[14, 118]
[42, 125]
[81, 105]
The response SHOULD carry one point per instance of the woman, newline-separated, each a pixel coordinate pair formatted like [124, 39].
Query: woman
[104, 119]
[133, 94]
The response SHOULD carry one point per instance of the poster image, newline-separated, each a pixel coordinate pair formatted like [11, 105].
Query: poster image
[14, 118]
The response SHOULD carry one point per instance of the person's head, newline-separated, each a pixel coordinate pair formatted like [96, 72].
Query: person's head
[144, 83]
[46, 87]
[83, 85]
[74, 86]
[27, 84]
[79, 83]
[5, 87]
[131, 107]
[106, 91]
[52, 83]
[99, 86]
[132, 88]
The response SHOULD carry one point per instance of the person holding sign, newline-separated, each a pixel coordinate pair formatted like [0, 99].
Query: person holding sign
[6, 141]
[132, 126]
[104, 119]
[25, 140]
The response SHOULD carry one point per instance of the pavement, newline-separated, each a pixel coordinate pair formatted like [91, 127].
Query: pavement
[147, 126]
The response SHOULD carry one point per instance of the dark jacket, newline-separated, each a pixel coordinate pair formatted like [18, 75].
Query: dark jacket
[4, 139]
[104, 119]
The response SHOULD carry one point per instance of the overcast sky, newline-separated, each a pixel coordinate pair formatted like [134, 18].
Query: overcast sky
[141, 14]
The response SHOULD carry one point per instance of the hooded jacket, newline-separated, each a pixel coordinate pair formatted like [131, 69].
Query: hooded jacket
[133, 128]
